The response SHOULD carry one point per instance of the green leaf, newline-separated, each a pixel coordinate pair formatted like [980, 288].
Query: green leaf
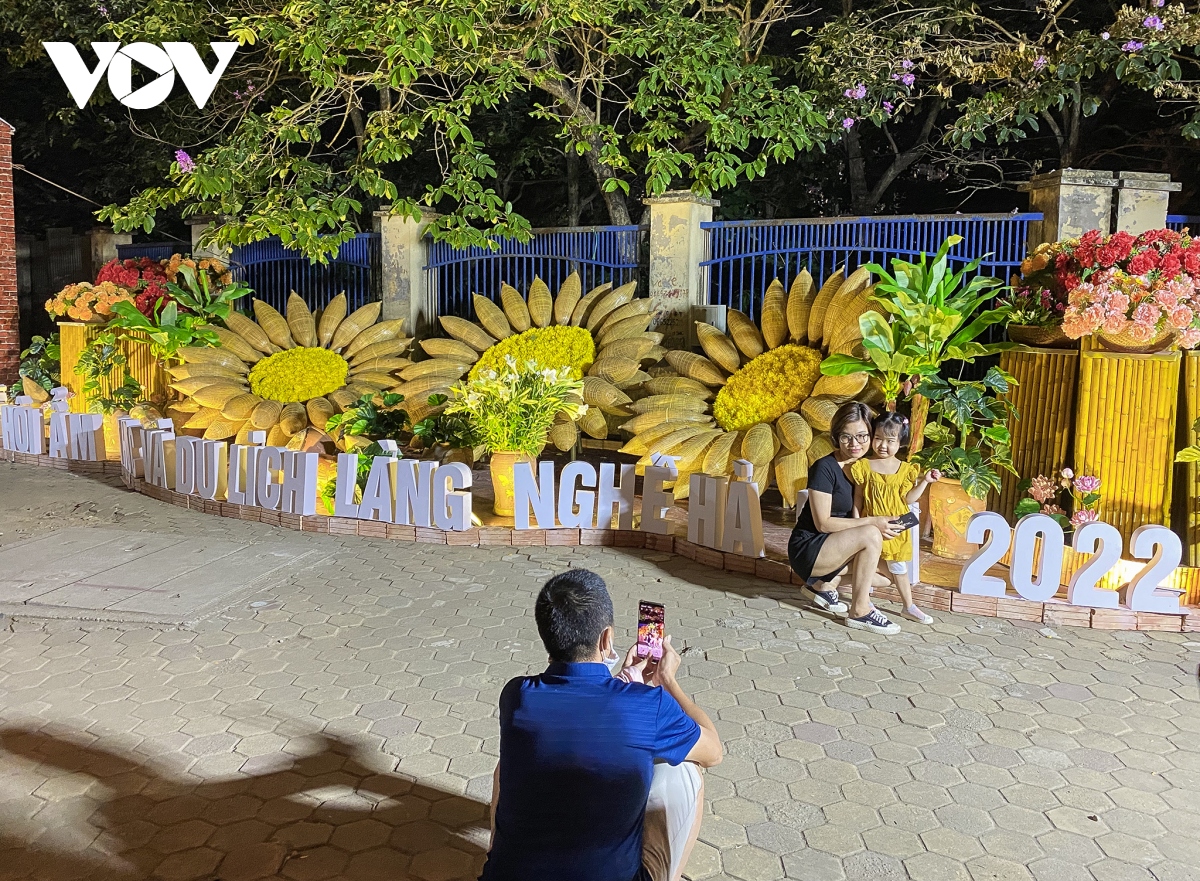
[1188, 454]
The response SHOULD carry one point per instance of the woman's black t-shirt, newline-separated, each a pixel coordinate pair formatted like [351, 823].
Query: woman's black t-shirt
[827, 476]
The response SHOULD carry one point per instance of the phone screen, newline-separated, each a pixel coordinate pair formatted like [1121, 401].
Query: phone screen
[908, 520]
[650, 630]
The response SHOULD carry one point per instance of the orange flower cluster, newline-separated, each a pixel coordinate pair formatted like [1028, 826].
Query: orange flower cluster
[86, 302]
[219, 273]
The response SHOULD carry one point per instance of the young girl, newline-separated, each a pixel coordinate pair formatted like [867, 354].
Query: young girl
[884, 486]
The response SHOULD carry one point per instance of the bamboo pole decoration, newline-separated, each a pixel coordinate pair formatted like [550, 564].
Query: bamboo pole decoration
[1125, 434]
[75, 337]
[1188, 490]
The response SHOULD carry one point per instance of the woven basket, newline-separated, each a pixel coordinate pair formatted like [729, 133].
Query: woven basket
[1040, 337]
[1124, 342]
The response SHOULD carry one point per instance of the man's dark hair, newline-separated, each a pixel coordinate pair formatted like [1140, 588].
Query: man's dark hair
[572, 611]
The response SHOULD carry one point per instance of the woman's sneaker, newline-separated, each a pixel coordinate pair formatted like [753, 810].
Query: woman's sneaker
[875, 622]
[829, 600]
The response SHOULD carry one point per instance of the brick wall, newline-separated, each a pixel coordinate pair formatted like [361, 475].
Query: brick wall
[10, 332]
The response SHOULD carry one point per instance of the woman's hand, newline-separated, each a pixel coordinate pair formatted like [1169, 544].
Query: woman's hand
[888, 527]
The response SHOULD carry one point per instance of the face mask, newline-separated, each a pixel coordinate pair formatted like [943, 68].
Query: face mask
[613, 662]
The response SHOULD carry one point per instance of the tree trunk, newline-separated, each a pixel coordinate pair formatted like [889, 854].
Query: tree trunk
[574, 205]
[614, 200]
[856, 168]
[920, 415]
[864, 198]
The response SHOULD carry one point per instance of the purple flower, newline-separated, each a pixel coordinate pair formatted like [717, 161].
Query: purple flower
[858, 92]
[1154, 22]
[103, 10]
[906, 64]
[1132, 46]
[888, 107]
[848, 123]
[186, 164]
[1159, 2]
[1040, 62]
[1104, 36]
[908, 79]
[1086, 483]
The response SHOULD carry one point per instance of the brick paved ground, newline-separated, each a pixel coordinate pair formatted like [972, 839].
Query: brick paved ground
[342, 725]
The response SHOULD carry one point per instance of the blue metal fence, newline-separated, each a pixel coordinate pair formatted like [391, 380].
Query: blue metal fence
[153, 250]
[744, 256]
[1180, 222]
[597, 253]
[273, 271]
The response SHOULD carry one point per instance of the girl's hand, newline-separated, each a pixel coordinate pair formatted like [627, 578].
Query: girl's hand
[933, 476]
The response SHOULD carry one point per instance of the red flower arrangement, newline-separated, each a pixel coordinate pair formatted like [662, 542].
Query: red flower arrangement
[143, 277]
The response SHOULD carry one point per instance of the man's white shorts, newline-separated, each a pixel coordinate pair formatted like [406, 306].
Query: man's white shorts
[671, 807]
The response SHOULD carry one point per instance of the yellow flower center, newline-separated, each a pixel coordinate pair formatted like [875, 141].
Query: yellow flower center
[298, 375]
[774, 383]
[549, 347]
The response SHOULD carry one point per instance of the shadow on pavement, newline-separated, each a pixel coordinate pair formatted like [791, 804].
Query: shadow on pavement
[324, 814]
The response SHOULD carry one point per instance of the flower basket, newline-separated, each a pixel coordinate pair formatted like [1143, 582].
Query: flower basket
[1040, 337]
[1126, 343]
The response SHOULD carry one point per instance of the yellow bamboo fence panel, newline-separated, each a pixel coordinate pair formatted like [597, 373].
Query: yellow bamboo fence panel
[1187, 493]
[74, 337]
[1125, 434]
[1045, 402]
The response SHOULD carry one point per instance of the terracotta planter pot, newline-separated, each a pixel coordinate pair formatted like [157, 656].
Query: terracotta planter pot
[501, 467]
[952, 509]
[1040, 337]
[1124, 342]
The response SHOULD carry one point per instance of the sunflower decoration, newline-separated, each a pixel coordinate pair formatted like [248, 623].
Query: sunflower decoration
[757, 392]
[600, 337]
[288, 375]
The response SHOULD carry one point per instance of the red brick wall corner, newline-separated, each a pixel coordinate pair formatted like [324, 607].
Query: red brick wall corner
[10, 331]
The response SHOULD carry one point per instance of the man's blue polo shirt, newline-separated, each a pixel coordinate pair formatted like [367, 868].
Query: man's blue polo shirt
[577, 751]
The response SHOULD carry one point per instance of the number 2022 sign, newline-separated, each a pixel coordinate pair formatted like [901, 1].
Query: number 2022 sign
[1144, 592]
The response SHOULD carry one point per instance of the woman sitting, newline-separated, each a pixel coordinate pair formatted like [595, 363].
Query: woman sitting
[828, 539]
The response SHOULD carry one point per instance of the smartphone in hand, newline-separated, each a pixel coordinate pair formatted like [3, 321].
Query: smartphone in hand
[907, 521]
[651, 630]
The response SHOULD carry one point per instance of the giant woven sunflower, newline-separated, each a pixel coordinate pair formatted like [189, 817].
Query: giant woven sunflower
[288, 376]
[759, 394]
[600, 337]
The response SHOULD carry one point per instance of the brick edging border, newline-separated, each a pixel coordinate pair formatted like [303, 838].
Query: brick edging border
[932, 597]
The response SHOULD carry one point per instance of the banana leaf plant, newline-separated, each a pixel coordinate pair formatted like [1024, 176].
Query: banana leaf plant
[1192, 453]
[933, 316]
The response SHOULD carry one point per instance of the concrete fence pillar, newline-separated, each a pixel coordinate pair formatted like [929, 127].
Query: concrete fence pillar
[1072, 201]
[200, 226]
[404, 254]
[676, 249]
[102, 247]
[10, 318]
[1142, 200]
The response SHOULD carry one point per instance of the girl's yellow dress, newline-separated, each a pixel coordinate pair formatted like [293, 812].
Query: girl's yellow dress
[883, 496]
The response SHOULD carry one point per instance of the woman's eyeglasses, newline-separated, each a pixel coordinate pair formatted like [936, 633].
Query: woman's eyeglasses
[857, 438]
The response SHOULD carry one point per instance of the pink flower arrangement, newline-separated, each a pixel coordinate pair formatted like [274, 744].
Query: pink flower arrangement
[1114, 301]
[1082, 494]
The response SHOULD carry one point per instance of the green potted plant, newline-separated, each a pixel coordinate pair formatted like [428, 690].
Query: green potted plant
[968, 441]
[444, 436]
[371, 418]
[935, 316]
[510, 412]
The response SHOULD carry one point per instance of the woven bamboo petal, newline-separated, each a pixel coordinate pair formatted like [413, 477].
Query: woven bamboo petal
[818, 412]
[384, 331]
[638, 348]
[759, 444]
[491, 317]
[300, 321]
[294, 418]
[629, 328]
[793, 432]
[434, 367]
[696, 367]
[193, 384]
[254, 335]
[239, 407]
[684, 402]
[377, 380]
[265, 415]
[354, 324]
[718, 347]
[774, 316]
[147, 414]
[668, 442]
[840, 388]
[610, 302]
[691, 453]
[202, 418]
[212, 355]
[822, 446]
[598, 392]
[679, 385]
[418, 410]
[744, 334]
[234, 343]
[331, 316]
[841, 319]
[274, 325]
[594, 423]
[564, 435]
[820, 305]
[221, 428]
[799, 304]
[791, 475]
[718, 458]
[614, 369]
[634, 308]
[580, 313]
[189, 371]
[217, 394]
[452, 349]
[466, 332]
[421, 388]
[645, 422]
[342, 399]
[359, 389]
[567, 299]
[186, 406]
[515, 308]
[319, 411]
[276, 436]
[379, 365]
[34, 390]
[541, 304]
[388, 348]
[638, 379]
